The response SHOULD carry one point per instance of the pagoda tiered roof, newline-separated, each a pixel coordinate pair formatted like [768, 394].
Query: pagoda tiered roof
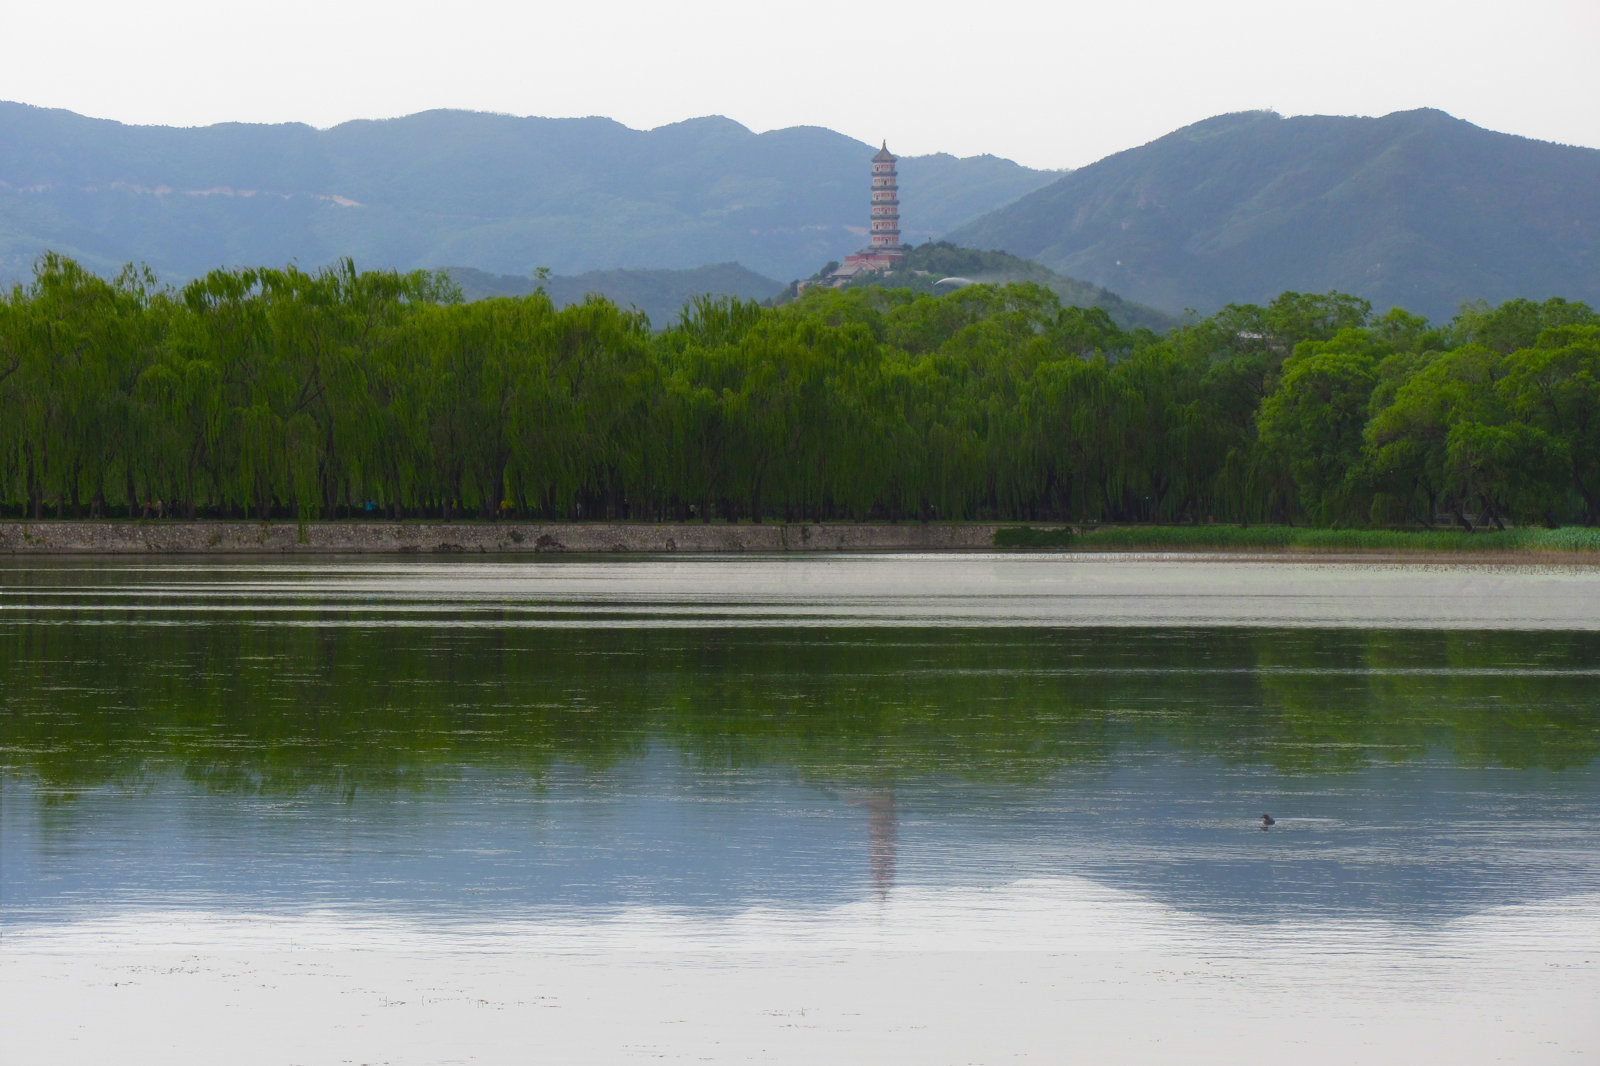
[884, 250]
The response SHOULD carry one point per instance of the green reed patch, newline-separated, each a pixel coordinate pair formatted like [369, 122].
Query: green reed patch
[1564, 539]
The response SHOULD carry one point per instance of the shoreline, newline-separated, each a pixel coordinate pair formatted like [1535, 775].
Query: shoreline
[430, 537]
[426, 537]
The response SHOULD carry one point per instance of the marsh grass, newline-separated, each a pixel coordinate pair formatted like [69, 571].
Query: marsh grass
[1565, 539]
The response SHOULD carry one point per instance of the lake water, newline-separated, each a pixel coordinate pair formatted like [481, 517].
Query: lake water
[966, 808]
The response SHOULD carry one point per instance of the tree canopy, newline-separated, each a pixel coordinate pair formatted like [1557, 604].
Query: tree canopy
[281, 392]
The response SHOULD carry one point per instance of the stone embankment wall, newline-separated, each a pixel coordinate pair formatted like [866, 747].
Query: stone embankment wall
[373, 537]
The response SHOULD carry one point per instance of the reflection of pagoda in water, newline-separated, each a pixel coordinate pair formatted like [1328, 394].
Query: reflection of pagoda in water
[884, 250]
[881, 827]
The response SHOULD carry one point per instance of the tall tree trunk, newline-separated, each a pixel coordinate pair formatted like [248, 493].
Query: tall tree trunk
[35, 491]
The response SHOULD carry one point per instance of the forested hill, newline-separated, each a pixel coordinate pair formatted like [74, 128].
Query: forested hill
[660, 294]
[1416, 209]
[940, 267]
[491, 192]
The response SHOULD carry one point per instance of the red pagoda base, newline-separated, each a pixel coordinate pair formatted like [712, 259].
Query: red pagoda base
[867, 262]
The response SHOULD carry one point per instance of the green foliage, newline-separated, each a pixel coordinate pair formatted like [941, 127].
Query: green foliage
[338, 393]
[1516, 323]
[1315, 417]
[928, 266]
[1245, 538]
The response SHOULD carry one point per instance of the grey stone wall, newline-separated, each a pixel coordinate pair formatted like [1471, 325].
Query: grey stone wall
[175, 537]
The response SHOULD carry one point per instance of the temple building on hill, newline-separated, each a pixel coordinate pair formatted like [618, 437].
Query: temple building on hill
[884, 250]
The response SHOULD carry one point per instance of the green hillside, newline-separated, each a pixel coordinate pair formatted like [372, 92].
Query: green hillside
[660, 294]
[1416, 209]
[496, 193]
[940, 267]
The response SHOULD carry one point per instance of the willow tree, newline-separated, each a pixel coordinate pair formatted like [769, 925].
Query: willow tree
[1315, 418]
[76, 345]
[1407, 443]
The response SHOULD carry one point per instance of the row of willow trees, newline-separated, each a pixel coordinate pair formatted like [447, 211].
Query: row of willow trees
[271, 393]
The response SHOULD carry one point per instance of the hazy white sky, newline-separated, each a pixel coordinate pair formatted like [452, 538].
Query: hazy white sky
[1047, 84]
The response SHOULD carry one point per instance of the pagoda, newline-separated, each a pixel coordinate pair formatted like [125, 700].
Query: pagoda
[884, 250]
[886, 205]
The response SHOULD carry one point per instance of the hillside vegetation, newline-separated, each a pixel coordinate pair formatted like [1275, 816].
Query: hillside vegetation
[495, 193]
[939, 267]
[1416, 210]
[660, 294]
[271, 392]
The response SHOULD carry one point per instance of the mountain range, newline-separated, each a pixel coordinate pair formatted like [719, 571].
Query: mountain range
[660, 294]
[1415, 209]
[491, 192]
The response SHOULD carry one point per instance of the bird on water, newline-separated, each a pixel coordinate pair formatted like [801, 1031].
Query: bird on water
[1267, 821]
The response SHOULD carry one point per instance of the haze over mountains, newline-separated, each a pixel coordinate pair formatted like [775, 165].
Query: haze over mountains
[660, 294]
[1415, 209]
[491, 192]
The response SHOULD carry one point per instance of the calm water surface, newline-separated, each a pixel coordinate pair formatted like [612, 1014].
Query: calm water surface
[996, 751]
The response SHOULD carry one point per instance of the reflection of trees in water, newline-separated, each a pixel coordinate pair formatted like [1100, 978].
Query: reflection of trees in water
[1516, 699]
[239, 707]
